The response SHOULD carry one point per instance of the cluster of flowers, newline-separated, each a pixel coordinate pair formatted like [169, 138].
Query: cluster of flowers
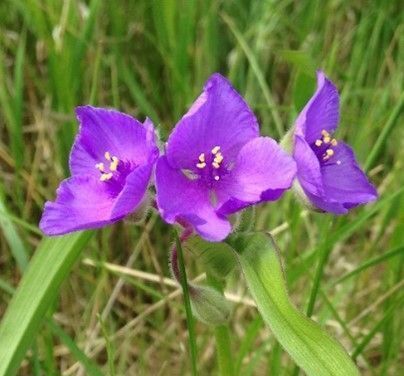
[214, 164]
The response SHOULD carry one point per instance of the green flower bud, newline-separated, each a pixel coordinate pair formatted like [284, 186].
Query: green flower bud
[209, 306]
[287, 142]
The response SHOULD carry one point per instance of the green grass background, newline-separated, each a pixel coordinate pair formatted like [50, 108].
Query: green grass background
[151, 57]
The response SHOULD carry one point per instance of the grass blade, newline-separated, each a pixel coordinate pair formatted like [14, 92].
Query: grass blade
[15, 243]
[39, 287]
[258, 73]
[374, 261]
[90, 367]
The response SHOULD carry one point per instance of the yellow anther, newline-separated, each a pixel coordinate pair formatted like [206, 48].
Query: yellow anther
[324, 133]
[318, 143]
[334, 142]
[326, 139]
[215, 164]
[114, 164]
[202, 157]
[329, 152]
[217, 178]
[218, 158]
[107, 156]
[105, 177]
[201, 165]
[215, 149]
[100, 166]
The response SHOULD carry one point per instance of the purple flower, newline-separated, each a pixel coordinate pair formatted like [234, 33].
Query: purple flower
[111, 164]
[216, 164]
[328, 174]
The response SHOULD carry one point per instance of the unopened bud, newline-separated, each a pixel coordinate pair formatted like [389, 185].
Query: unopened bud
[209, 306]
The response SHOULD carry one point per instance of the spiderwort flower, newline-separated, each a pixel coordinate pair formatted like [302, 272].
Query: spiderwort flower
[328, 175]
[216, 164]
[111, 164]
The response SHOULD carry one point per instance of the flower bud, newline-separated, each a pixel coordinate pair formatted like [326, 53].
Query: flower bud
[287, 141]
[141, 212]
[209, 306]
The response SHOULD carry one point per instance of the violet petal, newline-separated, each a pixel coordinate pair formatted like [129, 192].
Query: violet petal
[219, 117]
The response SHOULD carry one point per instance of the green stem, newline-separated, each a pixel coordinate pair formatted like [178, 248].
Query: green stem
[222, 337]
[187, 303]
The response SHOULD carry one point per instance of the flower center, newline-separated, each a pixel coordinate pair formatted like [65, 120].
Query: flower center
[211, 165]
[324, 147]
[107, 174]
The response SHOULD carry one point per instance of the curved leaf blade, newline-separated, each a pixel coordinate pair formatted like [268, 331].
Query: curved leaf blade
[315, 351]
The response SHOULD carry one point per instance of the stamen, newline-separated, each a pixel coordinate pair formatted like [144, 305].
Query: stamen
[215, 164]
[318, 143]
[334, 142]
[105, 177]
[328, 154]
[215, 149]
[100, 167]
[324, 133]
[107, 156]
[218, 158]
[201, 165]
[202, 157]
[217, 178]
[326, 139]
[114, 164]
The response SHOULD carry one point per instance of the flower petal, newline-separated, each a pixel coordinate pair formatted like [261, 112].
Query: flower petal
[344, 181]
[82, 202]
[261, 166]
[103, 130]
[182, 199]
[133, 192]
[308, 168]
[321, 112]
[219, 117]
[324, 204]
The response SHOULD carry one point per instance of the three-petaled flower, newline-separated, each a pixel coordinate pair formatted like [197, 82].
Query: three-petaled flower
[328, 175]
[216, 164]
[111, 164]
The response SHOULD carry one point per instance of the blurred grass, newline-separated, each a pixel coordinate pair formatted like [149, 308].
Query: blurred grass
[151, 58]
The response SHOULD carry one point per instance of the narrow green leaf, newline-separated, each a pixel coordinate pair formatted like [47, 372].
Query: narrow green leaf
[316, 352]
[38, 288]
[14, 241]
[301, 60]
[386, 130]
[17, 142]
[88, 364]
[259, 74]
[6, 287]
[372, 262]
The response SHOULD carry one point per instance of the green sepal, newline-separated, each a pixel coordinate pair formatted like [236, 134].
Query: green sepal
[209, 305]
[218, 258]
